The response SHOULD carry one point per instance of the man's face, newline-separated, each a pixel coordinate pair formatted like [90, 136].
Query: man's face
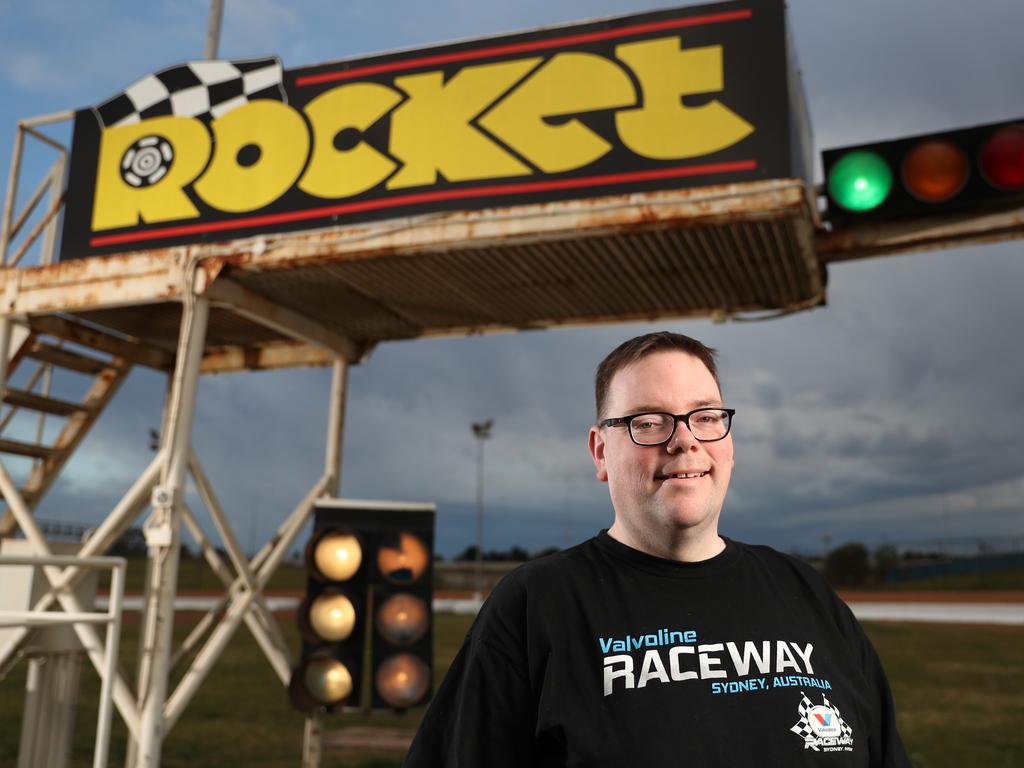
[649, 498]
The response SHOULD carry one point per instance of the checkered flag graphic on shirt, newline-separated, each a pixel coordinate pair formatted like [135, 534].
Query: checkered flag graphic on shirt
[843, 727]
[203, 89]
[802, 728]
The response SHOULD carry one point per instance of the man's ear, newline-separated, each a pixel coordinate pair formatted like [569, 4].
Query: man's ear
[597, 453]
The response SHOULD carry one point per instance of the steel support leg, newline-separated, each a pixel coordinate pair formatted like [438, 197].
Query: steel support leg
[163, 529]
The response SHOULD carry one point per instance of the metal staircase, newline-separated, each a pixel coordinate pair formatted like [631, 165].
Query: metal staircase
[52, 359]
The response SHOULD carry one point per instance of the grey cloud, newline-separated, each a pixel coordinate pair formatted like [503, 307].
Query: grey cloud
[911, 338]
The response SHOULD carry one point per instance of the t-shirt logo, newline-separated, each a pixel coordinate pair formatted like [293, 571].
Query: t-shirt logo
[822, 727]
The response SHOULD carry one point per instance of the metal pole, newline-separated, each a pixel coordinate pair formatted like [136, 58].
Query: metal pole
[312, 741]
[12, 190]
[213, 28]
[56, 192]
[479, 591]
[482, 431]
[6, 334]
[147, 619]
[336, 426]
[115, 604]
[163, 529]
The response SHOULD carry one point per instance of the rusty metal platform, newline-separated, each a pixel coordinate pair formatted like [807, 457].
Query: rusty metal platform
[298, 298]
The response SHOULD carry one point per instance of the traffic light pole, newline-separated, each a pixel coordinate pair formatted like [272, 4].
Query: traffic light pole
[312, 735]
[312, 741]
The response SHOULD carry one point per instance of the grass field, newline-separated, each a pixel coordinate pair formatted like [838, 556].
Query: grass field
[957, 690]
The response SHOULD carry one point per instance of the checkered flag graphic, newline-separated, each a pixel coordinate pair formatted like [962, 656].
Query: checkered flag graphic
[846, 730]
[203, 89]
[803, 725]
[802, 729]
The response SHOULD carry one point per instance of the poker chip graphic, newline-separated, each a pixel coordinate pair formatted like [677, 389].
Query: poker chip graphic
[147, 161]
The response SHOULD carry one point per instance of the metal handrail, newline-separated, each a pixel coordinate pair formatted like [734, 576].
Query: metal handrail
[112, 618]
[9, 227]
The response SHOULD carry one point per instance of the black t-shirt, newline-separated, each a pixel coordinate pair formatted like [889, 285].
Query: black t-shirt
[602, 655]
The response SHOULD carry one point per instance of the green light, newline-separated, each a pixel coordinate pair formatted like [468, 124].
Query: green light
[860, 181]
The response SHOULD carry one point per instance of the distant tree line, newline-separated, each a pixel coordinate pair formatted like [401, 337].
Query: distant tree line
[515, 554]
[852, 565]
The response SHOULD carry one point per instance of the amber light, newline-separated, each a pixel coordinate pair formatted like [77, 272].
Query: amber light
[332, 616]
[402, 680]
[337, 555]
[327, 680]
[402, 619]
[406, 562]
[1002, 159]
[935, 170]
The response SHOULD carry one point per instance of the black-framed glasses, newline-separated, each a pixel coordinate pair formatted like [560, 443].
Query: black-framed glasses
[705, 424]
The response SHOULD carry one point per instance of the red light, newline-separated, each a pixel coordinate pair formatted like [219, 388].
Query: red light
[1002, 159]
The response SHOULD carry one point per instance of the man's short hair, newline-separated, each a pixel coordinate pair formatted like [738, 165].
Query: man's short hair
[637, 348]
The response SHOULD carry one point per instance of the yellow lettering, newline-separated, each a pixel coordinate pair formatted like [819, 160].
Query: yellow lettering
[432, 133]
[663, 128]
[260, 150]
[135, 180]
[333, 172]
[568, 84]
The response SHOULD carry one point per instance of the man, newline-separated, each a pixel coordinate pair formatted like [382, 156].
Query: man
[659, 642]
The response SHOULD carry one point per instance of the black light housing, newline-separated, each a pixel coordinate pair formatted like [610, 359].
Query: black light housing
[967, 169]
[368, 602]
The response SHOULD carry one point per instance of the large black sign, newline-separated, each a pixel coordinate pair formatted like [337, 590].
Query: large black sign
[217, 150]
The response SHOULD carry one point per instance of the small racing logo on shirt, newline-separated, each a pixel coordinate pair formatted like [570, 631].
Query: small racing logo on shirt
[822, 727]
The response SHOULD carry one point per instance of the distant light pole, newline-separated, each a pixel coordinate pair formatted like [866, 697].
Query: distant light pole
[213, 29]
[481, 431]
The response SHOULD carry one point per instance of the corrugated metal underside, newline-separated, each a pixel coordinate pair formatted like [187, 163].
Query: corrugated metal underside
[652, 274]
[631, 267]
[158, 325]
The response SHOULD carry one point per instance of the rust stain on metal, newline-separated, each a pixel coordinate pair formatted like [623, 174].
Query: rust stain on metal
[896, 237]
[682, 253]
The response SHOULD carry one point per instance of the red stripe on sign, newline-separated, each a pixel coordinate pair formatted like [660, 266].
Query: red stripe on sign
[531, 45]
[422, 197]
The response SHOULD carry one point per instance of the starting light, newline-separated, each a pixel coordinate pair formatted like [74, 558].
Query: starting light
[860, 181]
[405, 562]
[367, 602]
[402, 680]
[337, 555]
[970, 168]
[1002, 158]
[328, 680]
[332, 616]
[320, 682]
[935, 170]
[403, 619]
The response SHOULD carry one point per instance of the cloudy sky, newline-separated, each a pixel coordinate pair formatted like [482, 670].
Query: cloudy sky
[891, 415]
